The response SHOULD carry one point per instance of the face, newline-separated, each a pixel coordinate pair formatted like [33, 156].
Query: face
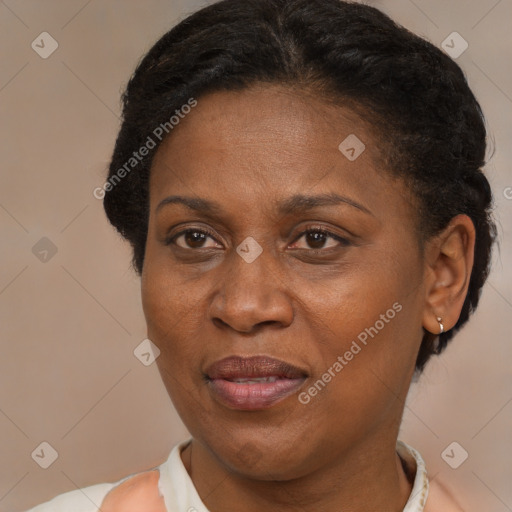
[268, 246]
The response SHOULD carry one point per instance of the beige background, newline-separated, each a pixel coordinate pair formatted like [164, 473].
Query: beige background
[68, 326]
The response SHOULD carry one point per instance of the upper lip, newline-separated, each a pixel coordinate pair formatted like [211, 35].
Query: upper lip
[239, 367]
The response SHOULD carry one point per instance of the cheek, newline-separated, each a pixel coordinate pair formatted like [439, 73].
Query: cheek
[367, 329]
[167, 297]
[379, 295]
[168, 311]
[364, 330]
[364, 364]
[170, 308]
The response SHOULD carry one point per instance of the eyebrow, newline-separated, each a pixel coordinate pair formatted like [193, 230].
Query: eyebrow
[193, 203]
[296, 204]
[301, 203]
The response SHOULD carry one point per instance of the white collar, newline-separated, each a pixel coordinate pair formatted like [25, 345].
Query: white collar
[180, 494]
[419, 492]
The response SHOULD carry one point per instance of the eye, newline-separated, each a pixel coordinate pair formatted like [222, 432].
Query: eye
[193, 238]
[316, 238]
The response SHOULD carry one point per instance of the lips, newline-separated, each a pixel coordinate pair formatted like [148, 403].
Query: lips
[251, 383]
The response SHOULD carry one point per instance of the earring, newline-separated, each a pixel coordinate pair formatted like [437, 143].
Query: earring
[441, 326]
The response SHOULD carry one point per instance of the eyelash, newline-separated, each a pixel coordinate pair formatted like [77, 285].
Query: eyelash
[343, 241]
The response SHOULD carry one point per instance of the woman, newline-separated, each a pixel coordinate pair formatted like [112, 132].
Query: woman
[301, 184]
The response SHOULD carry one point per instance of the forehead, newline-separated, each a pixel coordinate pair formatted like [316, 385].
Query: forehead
[258, 144]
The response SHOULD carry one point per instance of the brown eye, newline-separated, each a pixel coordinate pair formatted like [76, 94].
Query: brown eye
[317, 238]
[192, 239]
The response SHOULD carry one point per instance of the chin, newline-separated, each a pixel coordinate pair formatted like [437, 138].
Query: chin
[259, 459]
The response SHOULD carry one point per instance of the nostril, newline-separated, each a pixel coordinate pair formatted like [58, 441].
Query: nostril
[268, 322]
[219, 323]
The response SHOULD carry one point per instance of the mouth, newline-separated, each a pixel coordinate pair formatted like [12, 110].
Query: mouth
[253, 383]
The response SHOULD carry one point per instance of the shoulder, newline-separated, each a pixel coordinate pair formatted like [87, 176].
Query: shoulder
[79, 500]
[139, 493]
[440, 500]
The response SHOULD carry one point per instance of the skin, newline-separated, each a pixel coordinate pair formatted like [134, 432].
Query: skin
[248, 151]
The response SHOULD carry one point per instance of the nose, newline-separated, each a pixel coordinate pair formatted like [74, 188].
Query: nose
[251, 295]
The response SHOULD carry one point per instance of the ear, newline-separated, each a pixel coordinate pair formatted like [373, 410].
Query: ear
[449, 261]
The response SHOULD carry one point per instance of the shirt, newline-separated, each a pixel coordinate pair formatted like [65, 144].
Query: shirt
[180, 495]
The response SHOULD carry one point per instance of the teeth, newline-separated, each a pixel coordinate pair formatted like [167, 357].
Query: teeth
[254, 380]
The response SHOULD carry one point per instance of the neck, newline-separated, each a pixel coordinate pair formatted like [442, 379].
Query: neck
[369, 476]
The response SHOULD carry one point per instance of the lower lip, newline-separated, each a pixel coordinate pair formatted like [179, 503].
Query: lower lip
[250, 397]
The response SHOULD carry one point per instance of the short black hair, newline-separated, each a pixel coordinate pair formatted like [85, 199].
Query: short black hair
[429, 123]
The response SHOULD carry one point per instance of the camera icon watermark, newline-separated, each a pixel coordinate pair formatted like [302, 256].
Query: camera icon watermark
[507, 193]
[352, 147]
[146, 352]
[454, 455]
[454, 45]
[44, 250]
[249, 249]
[45, 455]
[44, 45]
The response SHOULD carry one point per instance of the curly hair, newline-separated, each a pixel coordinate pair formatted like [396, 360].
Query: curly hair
[428, 121]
